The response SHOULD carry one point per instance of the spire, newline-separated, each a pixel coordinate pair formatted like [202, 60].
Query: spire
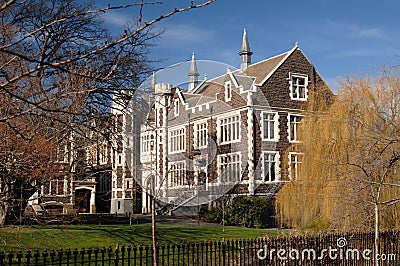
[245, 53]
[193, 74]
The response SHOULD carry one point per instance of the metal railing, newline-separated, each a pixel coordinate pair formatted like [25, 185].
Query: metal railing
[327, 249]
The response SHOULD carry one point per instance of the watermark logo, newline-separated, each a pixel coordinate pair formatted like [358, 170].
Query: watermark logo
[341, 242]
[340, 252]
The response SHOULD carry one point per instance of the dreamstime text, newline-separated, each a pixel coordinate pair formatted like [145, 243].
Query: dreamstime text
[340, 252]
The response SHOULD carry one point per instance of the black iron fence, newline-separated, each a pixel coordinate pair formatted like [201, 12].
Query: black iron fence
[328, 249]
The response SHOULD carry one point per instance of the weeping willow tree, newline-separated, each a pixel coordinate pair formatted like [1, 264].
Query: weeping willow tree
[350, 176]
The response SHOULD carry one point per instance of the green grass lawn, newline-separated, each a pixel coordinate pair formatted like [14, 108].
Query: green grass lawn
[71, 236]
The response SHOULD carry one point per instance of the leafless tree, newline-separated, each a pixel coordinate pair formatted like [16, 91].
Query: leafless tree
[59, 67]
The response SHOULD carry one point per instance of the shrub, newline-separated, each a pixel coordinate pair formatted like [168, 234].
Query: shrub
[248, 212]
[213, 215]
[318, 224]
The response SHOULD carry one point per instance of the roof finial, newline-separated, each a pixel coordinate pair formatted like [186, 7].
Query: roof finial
[193, 74]
[245, 52]
[245, 43]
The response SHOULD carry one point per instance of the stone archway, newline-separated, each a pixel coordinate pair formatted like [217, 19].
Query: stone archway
[148, 192]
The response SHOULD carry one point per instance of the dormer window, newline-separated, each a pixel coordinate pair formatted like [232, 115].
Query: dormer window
[228, 91]
[298, 87]
[176, 107]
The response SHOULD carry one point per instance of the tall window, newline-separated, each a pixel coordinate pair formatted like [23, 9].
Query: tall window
[229, 169]
[229, 129]
[177, 174]
[294, 125]
[62, 153]
[147, 140]
[270, 126]
[295, 162]
[228, 91]
[270, 166]
[176, 107]
[177, 140]
[103, 153]
[200, 135]
[298, 86]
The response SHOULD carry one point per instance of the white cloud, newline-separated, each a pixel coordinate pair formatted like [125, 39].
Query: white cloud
[353, 30]
[185, 33]
[372, 51]
[117, 19]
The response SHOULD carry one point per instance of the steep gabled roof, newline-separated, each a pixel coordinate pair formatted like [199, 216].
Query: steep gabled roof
[258, 73]
[264, 69]
[211, 87]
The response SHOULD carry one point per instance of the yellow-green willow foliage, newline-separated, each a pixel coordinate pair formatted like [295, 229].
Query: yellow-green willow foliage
[351, 158]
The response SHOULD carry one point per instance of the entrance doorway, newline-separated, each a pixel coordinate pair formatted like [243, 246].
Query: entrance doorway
[82, 200]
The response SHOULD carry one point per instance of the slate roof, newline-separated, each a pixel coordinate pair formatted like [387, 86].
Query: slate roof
[264, 68]
[256, 73]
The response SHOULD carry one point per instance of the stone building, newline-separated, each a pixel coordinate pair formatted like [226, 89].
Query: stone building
[82, 183]
[235, 134]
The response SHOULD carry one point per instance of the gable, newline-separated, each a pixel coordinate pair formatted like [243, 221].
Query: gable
[263, 69]
[276, 86]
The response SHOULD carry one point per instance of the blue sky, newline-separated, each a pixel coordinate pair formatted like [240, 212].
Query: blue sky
[339, 37]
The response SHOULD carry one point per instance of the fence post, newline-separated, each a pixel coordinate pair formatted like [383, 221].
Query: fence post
[89, 254]
[223, 252]
[28, 257]
[116, 255]
[52, 256]
[110, 255]
[123, 249]
[60, 255]
[103, 252]
[75, 254]
[96, 255]
[10, 258]
[134, 255]
[44, 255]
[68, 255]
[146, 252]
[82, 252]
[140, 255]
[128, 250]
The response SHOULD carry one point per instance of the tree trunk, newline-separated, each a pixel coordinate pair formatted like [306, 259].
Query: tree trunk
[153, 230]
[376, 233]
[3, 213]
[14, 201]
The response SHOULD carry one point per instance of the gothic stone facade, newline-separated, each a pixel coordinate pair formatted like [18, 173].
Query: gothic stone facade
[235, 134]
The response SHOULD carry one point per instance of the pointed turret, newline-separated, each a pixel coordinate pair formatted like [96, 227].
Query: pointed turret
[193, 74]
[245, 53]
